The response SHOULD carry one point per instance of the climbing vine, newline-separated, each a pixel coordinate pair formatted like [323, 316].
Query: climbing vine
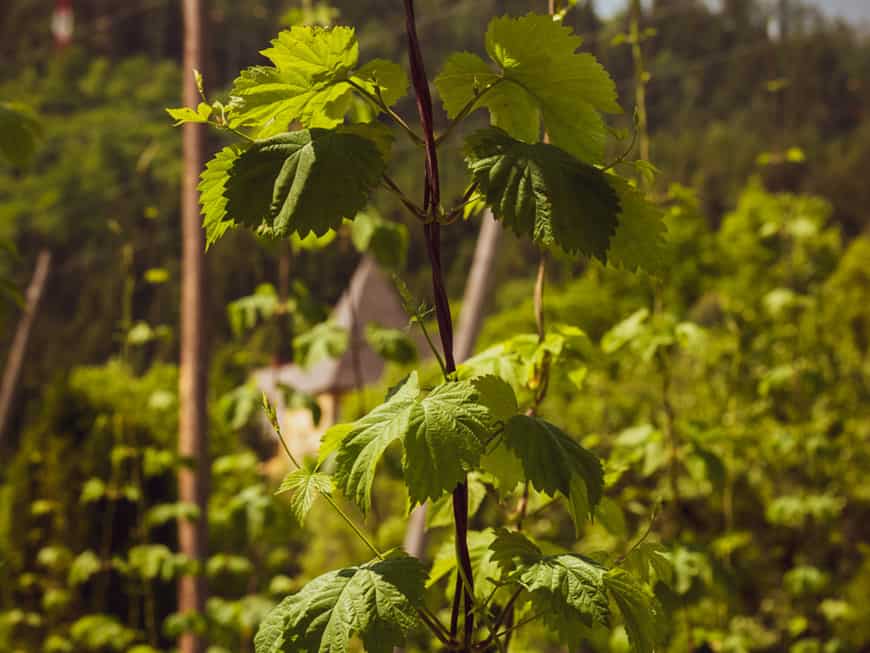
[305, 160]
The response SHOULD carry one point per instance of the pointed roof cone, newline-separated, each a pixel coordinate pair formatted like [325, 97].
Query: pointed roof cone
[370, 298]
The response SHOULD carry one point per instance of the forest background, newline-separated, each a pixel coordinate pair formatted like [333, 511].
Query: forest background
[734, 391]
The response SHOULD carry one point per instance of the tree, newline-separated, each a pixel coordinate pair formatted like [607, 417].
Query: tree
[192, 431]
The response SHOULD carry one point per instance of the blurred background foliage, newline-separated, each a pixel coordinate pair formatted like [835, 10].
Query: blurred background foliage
[734, 392]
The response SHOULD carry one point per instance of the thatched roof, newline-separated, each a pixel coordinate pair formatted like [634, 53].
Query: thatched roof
[370, 297]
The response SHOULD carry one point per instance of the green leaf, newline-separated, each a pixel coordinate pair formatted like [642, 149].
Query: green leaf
[290, 181]
[212, 194]
[322, 341]
[639, 241]
[362, 447]
[446, 432]
[539, 75]
[316, 52]
[310, 82]
[579, 503]
[85, 565]
[152, 561]
[312, 242]
[20, 130]
[97, 632]
[500, 360]
[610, 515]
[512, 548]
[228, 564]
[386, 77]
[641, 612]
[543, 192]
[391, 344]
[650, 556]
[304, 486]
[379, 134]
[331, 440]
[307, 82]
[387, 241]
[553, 462]
[271, 99]
[246, 312]
[93, 490]
[184, 115]
[565, 588]
[497, 395]
[163, 513]
[570, 89]
[376, 601]
[270, 634]
[466, 75]
[442, 435]
[504, 467]
[625, 331]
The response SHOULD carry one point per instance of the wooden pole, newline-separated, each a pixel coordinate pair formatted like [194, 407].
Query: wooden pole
[18, 349]
[192, 432]
[477, 288]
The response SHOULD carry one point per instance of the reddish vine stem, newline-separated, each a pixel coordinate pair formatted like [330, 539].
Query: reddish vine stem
[432, 233]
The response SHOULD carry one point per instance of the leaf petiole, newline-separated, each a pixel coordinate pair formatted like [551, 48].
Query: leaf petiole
[624, 155]
[238, 133]
[419, 316]
[643, 535]
[464, 111]
[393, 187]
[273, 419]
[467, 198]
[378, 100]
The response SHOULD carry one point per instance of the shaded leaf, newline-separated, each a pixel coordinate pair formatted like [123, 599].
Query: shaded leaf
[314, 178]
[639, 241]
[322, 341]
[552, 461]
[20, 130]
[641, 612]
[565, 588]
[391, 344]
[543, 192]
[387, 241]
